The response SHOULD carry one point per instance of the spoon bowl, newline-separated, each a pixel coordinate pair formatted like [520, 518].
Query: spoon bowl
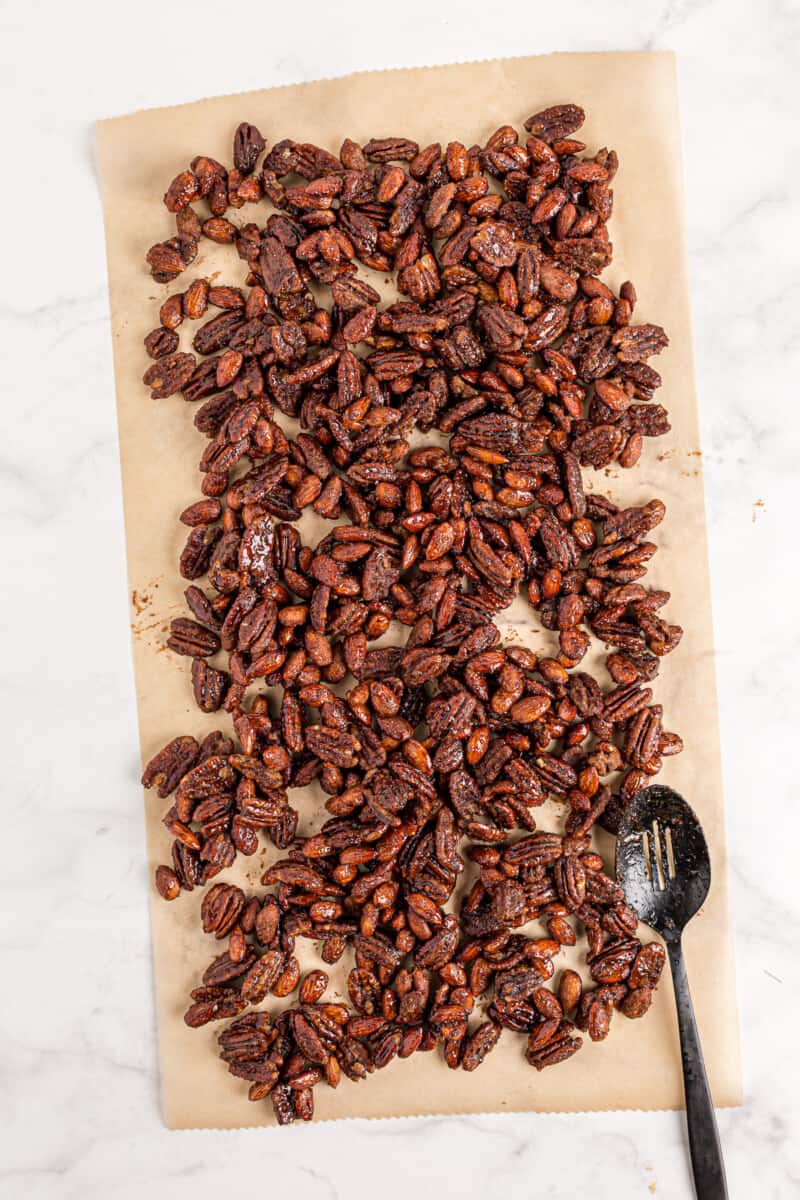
[664, 869]
[662, 861]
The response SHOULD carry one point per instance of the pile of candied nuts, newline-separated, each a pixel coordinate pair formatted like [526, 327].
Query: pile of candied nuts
[516, 368]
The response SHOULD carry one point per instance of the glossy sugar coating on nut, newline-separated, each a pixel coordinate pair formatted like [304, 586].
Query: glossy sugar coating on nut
[528, 369]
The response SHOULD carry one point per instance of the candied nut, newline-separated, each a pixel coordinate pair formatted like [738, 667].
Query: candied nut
[167, 883]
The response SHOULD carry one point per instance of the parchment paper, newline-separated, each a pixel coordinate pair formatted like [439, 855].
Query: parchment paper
[631, 104]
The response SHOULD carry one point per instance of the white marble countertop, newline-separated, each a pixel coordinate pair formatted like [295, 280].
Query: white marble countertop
[79, 1108]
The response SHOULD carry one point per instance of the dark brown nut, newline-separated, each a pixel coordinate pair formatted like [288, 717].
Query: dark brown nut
[190, 638]
[182, 191]
[196, 555]
[594, 1015]
[167, 883]
[248, 144]
[308, 1040]
[559, 1046]
[562, 931]
[313, 987]
[161, 342]
[209, 685]
[288, 979]
[195, 299]
[570, 989]
[552, 124]
[248, 1039]
[614, 963]
[267, 922]
[391, 149]
[167, 768]
[221, 908]
[589, 255]
[509, 903]
[203, 512]
[216, 333]
[647, 966]
[570, 881]
[530, 708]
[165, 261]
[168, 375]
[220, 230]
[481, 1043]
[278, 269]
[226, 1002]
[171, 312]
[262, 976]
[637, 1002]
[211, 776]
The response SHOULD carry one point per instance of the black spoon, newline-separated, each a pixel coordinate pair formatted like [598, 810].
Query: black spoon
[665, 872]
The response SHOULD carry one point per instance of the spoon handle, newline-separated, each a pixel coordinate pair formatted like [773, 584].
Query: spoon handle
[707, 1165]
